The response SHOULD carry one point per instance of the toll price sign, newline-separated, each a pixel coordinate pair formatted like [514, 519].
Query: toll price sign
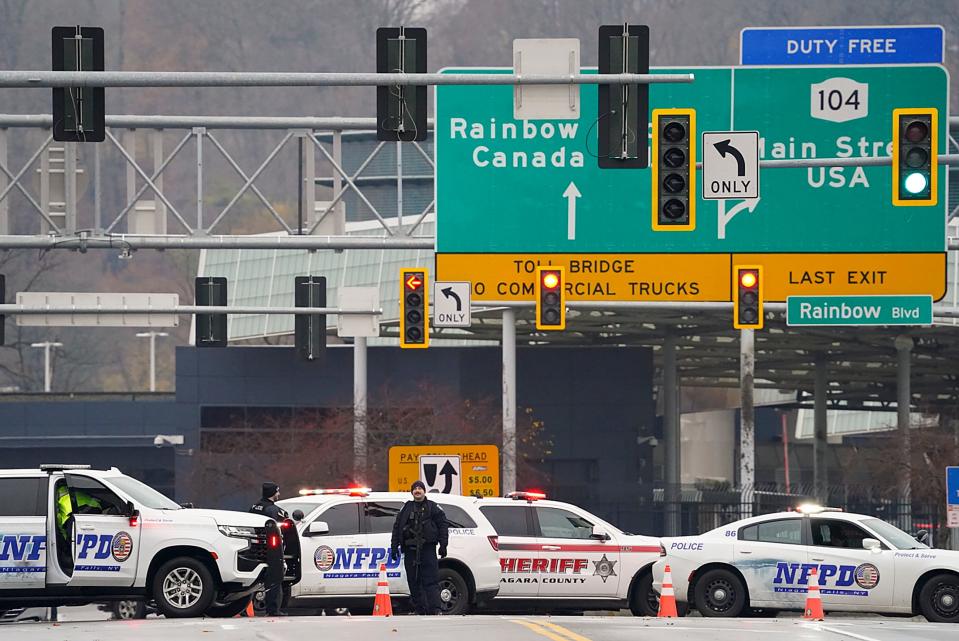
[471, 470]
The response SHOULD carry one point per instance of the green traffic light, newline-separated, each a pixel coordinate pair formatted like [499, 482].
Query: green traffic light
[916, 182]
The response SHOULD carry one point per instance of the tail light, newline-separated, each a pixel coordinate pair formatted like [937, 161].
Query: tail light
[494, 542]
[662, 550]
[273, 541]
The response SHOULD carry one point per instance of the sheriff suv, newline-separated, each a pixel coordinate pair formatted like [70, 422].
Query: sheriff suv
[73, 535]
[345, 537]
[558, 557]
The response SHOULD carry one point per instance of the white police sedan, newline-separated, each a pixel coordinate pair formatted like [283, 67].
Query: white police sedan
[763, 563]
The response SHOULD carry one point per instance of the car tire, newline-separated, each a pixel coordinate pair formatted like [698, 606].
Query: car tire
[644, 601]
[939, 599]
[228, 610]
[454, 593]
[183, 587]
[128, 609]
[720, 593]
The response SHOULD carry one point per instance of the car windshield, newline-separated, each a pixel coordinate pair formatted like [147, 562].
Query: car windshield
[143, 494]
[292, 506]
[894, 535]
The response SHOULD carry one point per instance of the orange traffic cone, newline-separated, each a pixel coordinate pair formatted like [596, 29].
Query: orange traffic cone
[667, 598]
[813, 610]
[248, 612]
[382, 605]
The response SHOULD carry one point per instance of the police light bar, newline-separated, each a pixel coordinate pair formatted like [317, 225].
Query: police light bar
[342, 491]
[57, 467]
[812, 508]
[526, 496]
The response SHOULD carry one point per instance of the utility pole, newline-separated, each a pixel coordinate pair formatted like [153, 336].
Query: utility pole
[153, 355]
[47, 373]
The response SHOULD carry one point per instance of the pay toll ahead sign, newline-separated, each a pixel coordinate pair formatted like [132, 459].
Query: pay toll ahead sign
[513, 192]
[468, 469]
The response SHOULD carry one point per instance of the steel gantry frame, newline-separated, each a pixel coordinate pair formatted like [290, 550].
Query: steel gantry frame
[615, 330]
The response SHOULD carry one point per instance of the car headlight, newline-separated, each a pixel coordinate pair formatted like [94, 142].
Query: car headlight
[238, 531]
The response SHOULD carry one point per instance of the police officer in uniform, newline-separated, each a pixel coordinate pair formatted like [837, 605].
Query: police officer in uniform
[419, 527]
[267, 506]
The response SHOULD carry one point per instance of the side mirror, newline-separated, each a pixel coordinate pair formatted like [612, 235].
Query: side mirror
[187, 506]
[873, 545]
[317, 527]
[130, 509]
[600, 532]
[298, 515]
[923, 537]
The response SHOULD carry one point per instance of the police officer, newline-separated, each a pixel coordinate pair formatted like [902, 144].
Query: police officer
[267, 506]
[419, 527]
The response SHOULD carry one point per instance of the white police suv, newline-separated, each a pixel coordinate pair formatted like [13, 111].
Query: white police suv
[556, 557]
[863, 563]
[345, 536]
[121, 539]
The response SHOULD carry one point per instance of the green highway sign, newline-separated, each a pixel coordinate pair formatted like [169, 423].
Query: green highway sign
[532, 189]
[858, 310]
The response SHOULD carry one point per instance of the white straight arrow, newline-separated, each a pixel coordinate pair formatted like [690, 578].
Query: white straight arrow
[571, 194]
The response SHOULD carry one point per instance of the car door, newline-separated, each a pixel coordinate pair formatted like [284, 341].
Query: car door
[106, 541]
[23, 527]
[518, 549]
[772, 559]
[572, 563]
[334, 562]
[379, 517]
[850, 575]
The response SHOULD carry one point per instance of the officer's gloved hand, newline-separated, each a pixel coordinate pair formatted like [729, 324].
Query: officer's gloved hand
[394, 554]
[442, 551]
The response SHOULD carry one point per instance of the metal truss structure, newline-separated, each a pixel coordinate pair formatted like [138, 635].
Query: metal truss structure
[860, 364]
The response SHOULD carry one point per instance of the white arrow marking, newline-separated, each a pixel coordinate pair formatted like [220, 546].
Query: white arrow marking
[722, 217]
[571, 194]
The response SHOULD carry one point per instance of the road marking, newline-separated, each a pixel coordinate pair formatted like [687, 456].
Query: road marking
[565, 631]
[861, 637]
[539, 629]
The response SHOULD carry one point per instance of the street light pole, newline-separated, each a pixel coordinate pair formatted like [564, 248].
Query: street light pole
[47, 373]
[153, 355]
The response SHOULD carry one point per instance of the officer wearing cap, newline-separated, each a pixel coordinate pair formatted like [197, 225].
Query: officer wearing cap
[267, 506]
[419, 527]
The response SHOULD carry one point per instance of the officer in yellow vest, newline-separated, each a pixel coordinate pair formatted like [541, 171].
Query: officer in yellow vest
[86, 504]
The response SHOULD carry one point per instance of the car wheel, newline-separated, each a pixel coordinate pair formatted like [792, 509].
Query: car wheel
[229, 610]
[454, 595]
[720, 593]
[939, 599]
[129, 609]
[183, 587]
[645, 601]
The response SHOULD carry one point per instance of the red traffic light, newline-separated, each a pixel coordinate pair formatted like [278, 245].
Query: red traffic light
[414, 281]
[551, 279]
[748, 279]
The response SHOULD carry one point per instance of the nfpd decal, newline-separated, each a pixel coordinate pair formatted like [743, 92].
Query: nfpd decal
[323, 558]
[867, 576]
[122, 546]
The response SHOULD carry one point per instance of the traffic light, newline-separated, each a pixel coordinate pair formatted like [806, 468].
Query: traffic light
[79, 113]
[748, 304]
[414, 308]
[623, 109]
[550, 298]
[915, 157]
[310, 329]
[674, 169]
[210, 328]
[401, 109]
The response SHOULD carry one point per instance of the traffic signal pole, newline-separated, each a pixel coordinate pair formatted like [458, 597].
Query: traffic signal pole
[671, 441]
[820, 472]
[359, 410]
[747, 421]
[904, 345]
[509, 401]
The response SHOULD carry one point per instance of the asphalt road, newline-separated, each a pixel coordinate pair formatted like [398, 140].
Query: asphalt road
[480, 628]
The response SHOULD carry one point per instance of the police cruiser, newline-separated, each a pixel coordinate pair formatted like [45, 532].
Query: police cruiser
[73, 535]
[863, 564]
[556, 557]
[345, 536]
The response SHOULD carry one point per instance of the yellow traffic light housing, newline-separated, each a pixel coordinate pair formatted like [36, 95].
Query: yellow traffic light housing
[550, 298]
[748, 297]
[414, 308]
[915, 175]
[674, 170]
